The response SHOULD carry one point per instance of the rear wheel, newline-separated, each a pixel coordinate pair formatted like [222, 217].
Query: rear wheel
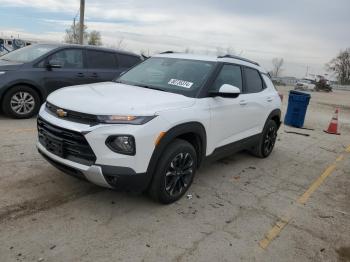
[267, 141]
[21, 102]
[174, 173]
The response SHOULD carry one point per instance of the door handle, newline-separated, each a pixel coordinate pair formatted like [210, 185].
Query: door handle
[243, 102]
[269, 99]
[80, 75]
[94, 75]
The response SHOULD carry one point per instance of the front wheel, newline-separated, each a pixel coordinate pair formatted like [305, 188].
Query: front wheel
[21, 102]
[175, 171]
[267, 141]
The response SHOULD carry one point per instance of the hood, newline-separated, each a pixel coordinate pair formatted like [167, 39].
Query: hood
[111, 98]
[8, 65]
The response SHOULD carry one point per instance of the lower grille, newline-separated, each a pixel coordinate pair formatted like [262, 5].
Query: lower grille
[66, 169]
[65, 143]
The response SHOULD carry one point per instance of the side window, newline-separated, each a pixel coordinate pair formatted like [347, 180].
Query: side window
[254, 83]
[127, 61]
[229, 74]
[69, 58]
[101, 60]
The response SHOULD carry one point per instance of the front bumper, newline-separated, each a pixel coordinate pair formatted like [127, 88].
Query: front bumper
[118, 178]
[108, 169]
[92, 173]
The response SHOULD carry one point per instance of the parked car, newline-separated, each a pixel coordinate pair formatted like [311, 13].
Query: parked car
[29, 74]
[305, 85]
[153, 127]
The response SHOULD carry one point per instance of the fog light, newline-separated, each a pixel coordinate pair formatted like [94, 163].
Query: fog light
[122, 144]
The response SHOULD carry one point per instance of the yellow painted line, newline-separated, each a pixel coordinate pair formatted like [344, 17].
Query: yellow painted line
[273, 233]
[316, 184]
[348, 149]
[281, 223]
[339, 158]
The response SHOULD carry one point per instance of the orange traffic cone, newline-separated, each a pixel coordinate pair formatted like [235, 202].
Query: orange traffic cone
[333, 125]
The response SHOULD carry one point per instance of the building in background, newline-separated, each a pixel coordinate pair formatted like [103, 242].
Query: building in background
[284, 80]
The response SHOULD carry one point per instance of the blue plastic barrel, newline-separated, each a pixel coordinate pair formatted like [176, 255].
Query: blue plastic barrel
[297, 106]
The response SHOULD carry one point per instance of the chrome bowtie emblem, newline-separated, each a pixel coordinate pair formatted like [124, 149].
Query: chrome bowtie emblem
[61, 113]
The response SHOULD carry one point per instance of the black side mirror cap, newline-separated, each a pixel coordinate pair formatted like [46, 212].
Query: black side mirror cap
[54, 64]
[225, 95]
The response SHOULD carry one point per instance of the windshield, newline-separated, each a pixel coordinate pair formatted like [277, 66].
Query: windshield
[27, 54]
[181, 76]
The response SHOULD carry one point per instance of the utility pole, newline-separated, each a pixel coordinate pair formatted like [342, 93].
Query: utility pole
[81, 23]
[74, 37]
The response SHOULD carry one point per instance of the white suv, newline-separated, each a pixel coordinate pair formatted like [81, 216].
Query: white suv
[153, 127]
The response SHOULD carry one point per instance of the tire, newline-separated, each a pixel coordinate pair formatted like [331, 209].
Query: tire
[170, 184]
[267, 141]
[21, 102]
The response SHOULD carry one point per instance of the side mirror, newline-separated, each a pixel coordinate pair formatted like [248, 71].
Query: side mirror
[227, 90]
[54, 64]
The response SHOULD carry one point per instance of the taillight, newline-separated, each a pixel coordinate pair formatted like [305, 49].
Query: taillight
[280, 95]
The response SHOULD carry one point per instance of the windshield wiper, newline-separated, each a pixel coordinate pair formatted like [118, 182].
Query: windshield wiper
[140, 85]
[150, 87]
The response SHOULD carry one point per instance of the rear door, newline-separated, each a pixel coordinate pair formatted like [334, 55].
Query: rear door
[257, 99]
[102, 66]
[72, 71]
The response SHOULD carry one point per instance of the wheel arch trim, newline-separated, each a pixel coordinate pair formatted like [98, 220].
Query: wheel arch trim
[186, 128]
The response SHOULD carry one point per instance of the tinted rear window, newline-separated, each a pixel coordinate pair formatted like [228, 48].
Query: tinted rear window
[101, 60]
[254, 83]
[128, 60]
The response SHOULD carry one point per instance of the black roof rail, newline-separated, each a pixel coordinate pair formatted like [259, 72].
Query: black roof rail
[167, 52]
[239, 58]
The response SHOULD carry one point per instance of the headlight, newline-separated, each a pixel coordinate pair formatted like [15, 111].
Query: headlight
[132, 120]
[122, 144]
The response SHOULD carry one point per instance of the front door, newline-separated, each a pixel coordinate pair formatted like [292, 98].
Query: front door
[70, 73]
[229, 118]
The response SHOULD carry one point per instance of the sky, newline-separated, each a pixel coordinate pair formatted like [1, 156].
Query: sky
[306, 34]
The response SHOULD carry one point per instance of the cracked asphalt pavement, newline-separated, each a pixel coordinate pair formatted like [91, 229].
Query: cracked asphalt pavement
[235, 204]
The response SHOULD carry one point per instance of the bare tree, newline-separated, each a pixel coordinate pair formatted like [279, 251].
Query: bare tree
[95, 38]
[340, 65]
[188, 50]
[230, 51]
[120, 44]
[277, 64]
[220, 51]
[72, 34]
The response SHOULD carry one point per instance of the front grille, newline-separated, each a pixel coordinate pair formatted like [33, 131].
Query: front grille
[65, 143]
[73, 116]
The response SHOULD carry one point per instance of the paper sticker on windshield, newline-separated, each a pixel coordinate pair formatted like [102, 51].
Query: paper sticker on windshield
[181, 83]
